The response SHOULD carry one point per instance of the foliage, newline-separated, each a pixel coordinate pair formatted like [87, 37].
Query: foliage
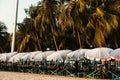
[70, 24]
[26, 38]
[4, 38]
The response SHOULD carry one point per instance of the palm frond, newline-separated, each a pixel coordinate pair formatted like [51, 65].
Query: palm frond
[82, 5]
[99, 12]
[99, 40]
[114, 22]
[24, 42]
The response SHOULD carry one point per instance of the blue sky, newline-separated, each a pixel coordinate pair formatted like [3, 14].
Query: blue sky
[8, 8]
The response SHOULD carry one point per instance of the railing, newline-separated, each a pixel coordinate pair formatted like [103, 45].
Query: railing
[94, 74]
[114, 76]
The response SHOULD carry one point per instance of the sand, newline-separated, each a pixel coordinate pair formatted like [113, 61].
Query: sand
[4, 75]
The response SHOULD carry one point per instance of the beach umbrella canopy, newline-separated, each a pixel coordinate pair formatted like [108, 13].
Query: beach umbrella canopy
[77, 54]
[58, 55]
[25, 57]
[3, 57]
[98, 53]
[39, 57]
[30, 55]
[16, 58]
[33, 54]
[7, 56]
[116, 54]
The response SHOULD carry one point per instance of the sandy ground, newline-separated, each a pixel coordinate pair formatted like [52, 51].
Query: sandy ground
[30, 76]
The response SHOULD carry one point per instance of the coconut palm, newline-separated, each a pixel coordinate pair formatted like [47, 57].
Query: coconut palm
[45, 22]
[100, 23]
[72, 17]
[4, 42]
[26, 38]
[113, 7]
[92, 20]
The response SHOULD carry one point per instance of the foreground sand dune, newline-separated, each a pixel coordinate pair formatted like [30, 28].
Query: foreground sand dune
[30, 76]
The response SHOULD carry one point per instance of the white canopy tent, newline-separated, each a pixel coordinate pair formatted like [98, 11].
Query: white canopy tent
[3, 57]
[6, 56]
[58, 55]
[98, 53]
[116, 54]
[77, 54]
[16, 58]
[29, 56]
[32, 55]
[25, 57]
[39, 57]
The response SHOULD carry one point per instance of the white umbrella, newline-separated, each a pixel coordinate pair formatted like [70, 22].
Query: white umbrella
[3, 57]
[116, 54]
[6, 56]
[98, 53]
[25, 57]
[11, 54]
[32, 55]
[29, 56]
[43, 55]
[77, 54]
[58, 55]
[16, 58]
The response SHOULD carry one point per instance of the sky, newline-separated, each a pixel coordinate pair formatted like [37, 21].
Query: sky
[8, 11]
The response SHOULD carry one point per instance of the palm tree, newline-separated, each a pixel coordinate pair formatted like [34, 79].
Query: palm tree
[4, 42]
[100, 23]
[26, 38]
[92, 20]
[45, 22]
[113, 7]
[72, 17]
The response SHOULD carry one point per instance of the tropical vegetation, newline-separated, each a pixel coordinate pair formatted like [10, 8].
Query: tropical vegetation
[4, 38]
[69, 24]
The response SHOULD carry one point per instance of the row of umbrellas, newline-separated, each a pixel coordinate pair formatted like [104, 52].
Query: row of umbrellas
[62, 55]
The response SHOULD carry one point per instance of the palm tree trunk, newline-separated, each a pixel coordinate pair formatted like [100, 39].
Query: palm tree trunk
[79, 39]
[55, 43]
[73, 31]
[54, 39]
[38, 41]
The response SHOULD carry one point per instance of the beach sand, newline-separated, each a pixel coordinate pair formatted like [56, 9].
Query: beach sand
[5, 75]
